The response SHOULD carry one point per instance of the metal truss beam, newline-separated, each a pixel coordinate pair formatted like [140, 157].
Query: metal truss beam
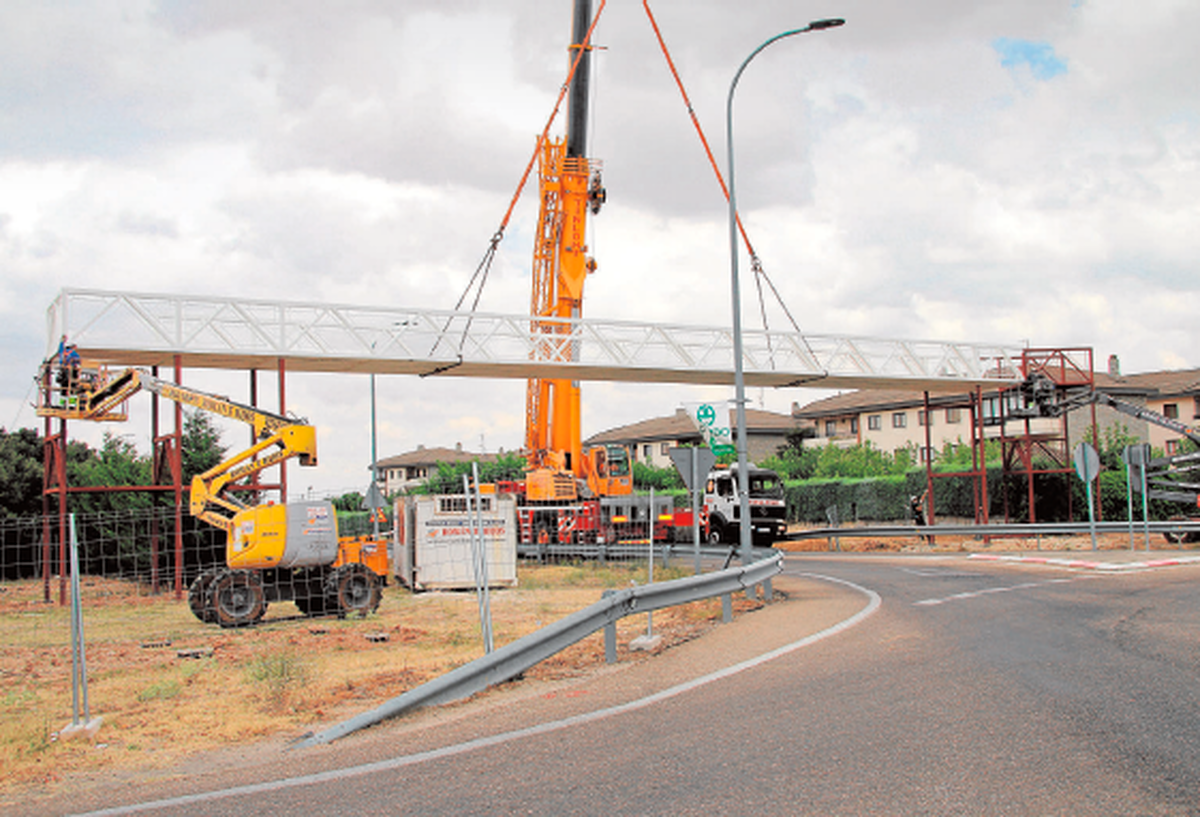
[139, 329]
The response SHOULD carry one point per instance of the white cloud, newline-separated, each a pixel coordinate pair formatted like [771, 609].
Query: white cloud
[896, 178]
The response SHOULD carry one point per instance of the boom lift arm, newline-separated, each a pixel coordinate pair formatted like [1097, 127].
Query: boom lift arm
[97, 396]
[1041, 400]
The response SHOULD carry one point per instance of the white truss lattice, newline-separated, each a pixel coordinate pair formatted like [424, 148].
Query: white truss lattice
[126, 328]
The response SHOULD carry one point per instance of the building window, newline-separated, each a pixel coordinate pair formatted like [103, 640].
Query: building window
[646, 455]
[874, 422]
[927, 454]
[991, 409]
[830, 428]
[924, 417]
[1171, 411]
[900, 419]
[1172, 447]
[953, 415]
[665, 449]
[853, 425]
[1196, 408]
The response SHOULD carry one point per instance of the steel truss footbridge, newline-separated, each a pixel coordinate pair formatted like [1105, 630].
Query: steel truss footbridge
[140, 329]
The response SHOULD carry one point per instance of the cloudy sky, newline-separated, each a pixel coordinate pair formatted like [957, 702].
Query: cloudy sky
[1019, 172]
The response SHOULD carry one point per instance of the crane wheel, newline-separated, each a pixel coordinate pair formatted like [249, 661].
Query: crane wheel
[236, 598]
[198, 595]
[352, 588]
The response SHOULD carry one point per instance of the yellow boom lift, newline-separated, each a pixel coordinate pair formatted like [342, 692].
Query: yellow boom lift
[273, 552]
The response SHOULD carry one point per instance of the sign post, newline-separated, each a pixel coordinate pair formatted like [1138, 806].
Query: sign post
[693, 465]
[1136, 458]
[1087, 466]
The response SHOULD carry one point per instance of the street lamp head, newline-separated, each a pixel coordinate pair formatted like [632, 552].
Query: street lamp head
[817, 25]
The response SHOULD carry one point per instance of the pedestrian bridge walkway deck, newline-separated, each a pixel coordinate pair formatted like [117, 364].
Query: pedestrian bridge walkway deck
[139, 329]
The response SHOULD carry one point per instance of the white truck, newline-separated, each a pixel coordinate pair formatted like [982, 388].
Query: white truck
[768, 508]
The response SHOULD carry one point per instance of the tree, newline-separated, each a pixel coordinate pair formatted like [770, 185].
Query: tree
[200, 444]
[646, 477]
[116, 464]
[448, 479]
[20, 472]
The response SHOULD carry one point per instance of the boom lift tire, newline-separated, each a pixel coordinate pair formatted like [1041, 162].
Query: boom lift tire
[236, 598]
[352, 588]
[198, 595]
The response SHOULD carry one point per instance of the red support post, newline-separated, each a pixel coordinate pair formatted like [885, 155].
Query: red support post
[283, 486]
[177, 478]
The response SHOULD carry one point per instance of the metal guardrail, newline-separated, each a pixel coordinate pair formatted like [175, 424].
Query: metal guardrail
[512, 659]
[981, 531]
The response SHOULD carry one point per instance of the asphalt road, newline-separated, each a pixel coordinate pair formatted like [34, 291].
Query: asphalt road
[972, 688]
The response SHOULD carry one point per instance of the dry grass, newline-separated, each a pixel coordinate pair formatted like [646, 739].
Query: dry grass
[278, 678]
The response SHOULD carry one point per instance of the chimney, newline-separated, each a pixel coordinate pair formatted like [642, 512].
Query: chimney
[681, 413]
[458, 447]
[1114, 366]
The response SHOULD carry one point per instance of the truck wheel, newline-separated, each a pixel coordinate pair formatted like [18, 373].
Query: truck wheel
[352, 588]
[198, 595]
[716, 529]
[236, 598]
[1177, 537]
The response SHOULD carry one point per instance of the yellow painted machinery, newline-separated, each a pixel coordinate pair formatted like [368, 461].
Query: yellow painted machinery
[273, 552]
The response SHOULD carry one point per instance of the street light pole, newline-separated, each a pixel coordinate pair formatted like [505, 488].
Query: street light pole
[374, 460]
[739, 379]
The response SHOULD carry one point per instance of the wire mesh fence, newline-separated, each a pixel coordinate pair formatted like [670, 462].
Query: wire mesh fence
[150, 550]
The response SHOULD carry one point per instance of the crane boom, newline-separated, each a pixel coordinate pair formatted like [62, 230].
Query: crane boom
[570, 189]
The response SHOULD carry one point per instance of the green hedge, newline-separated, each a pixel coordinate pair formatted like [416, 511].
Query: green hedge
[1057, 498]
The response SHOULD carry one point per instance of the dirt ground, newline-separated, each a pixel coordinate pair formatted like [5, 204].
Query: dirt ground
[168, 687]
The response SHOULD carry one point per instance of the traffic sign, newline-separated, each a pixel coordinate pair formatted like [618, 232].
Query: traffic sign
[374, 498]
[683, 460]
[1087, 462]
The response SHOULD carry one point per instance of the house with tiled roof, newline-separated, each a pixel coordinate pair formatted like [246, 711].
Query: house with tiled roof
[650, 440]
[1172, 393]
[892, 420]
[410, 469]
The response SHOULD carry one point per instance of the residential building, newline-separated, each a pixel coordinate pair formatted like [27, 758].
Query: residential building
[405, 471]
[1172, 393]
[892, 420]
[650, 441]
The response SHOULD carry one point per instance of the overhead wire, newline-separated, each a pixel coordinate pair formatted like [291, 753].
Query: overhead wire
[760, 274]
[485, 264]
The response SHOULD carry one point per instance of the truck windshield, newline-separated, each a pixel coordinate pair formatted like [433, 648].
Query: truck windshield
[765, 485]
[618, 461]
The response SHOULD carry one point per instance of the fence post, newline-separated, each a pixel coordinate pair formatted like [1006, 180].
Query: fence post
[726, 608]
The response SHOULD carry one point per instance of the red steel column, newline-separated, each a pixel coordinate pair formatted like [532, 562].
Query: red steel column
[177, 481]
[153, 477]
[283, 486]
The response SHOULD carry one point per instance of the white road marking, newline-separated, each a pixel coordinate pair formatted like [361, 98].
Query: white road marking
[974, 594]
[873, 603]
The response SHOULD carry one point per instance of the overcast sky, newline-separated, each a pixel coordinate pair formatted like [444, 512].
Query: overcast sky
[1018, 172]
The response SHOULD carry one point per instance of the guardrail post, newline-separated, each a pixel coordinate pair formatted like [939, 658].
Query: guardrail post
[610, 634]
[768, 593]
[727, 608]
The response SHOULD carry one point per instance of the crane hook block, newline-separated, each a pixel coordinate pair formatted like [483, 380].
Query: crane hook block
[597, 195]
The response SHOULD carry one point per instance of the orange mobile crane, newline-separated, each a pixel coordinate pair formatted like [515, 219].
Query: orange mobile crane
[569, 494]
[273, 552]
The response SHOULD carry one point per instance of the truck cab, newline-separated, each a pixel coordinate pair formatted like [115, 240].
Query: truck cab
[768, 508]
